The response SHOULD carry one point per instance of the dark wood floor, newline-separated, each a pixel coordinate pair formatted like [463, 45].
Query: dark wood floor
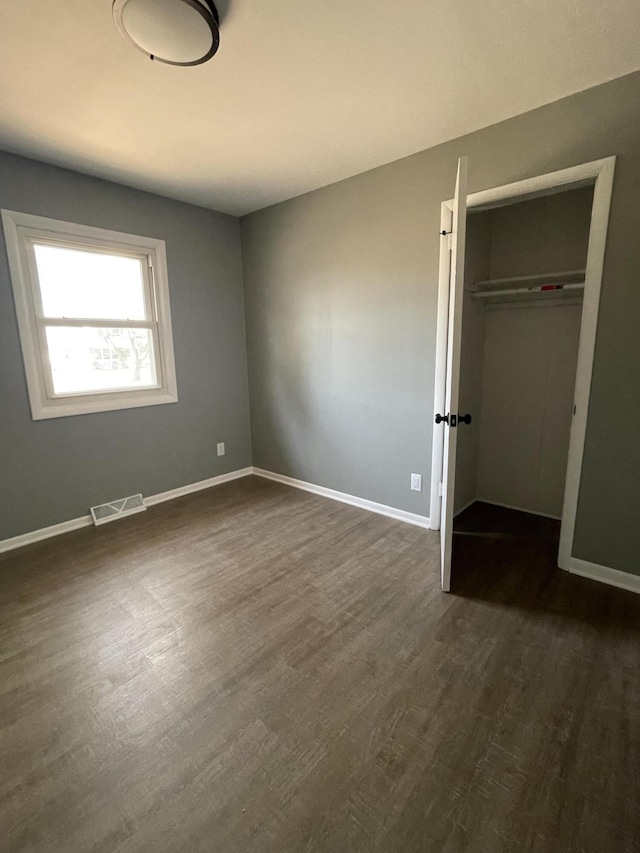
[254, 669]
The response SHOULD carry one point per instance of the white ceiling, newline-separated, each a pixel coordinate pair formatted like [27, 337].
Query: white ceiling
[300, 94]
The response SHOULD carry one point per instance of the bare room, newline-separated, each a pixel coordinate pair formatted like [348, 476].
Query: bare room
[320, 383]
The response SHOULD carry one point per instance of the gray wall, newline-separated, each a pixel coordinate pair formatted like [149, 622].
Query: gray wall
[341, 287]
[547, 234]
[53, 470]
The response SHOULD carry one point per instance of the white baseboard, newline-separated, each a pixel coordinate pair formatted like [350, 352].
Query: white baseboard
[87, 521]
[45, 533]
[352, 500]
[613, 577]
[197, 487]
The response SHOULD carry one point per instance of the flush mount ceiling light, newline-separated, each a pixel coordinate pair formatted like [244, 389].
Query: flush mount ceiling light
[177, 32]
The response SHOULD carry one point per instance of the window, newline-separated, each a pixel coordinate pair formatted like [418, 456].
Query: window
[93, 315]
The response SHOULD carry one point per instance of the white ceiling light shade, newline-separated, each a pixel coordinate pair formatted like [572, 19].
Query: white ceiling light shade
[176, 32]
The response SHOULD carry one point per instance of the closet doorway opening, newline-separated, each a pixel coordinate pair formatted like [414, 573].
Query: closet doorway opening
[520, 276]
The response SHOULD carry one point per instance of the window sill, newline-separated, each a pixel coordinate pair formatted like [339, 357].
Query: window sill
[109, 403]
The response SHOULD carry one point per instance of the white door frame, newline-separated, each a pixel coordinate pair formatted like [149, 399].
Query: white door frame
[598, 173]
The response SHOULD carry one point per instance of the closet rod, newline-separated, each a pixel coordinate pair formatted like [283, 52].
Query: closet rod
[525, 291]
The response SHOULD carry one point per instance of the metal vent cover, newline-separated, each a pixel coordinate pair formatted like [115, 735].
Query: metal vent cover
[116, 509]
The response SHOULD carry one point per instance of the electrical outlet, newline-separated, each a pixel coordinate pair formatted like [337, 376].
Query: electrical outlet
[416, 482]
[220, 448]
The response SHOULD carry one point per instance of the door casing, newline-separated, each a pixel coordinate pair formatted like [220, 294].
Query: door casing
[599, 174]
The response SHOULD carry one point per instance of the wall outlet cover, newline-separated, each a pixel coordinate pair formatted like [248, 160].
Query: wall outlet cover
[416, 482]
[220, 448]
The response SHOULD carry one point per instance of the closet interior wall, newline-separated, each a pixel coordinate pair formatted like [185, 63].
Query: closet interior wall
[518, 360]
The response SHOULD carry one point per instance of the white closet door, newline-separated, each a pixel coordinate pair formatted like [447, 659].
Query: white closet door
[454, 340]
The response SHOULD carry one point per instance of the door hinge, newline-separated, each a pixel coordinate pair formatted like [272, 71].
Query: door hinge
[440, 489]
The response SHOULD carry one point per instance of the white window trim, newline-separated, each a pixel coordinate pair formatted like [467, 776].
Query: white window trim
[18, 229]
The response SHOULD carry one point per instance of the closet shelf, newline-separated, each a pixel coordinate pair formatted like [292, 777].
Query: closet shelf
[529, 282]
[539, 291]
[540, 286]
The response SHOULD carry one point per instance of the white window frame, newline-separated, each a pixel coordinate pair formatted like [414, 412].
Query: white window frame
[21, 231]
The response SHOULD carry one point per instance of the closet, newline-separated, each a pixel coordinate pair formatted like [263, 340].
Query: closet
[522, 309]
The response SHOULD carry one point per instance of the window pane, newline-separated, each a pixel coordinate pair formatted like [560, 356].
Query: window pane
[95, 285]
[89, 359]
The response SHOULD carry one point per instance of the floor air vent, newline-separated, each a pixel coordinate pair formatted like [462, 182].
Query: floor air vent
[116, 509]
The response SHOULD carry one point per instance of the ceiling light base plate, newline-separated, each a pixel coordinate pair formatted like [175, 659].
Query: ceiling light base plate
[174, 32]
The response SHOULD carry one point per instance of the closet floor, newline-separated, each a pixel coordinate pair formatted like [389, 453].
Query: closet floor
[504, 552]
[255, 669]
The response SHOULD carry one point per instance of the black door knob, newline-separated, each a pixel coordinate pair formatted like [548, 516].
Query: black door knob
[453, 420]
